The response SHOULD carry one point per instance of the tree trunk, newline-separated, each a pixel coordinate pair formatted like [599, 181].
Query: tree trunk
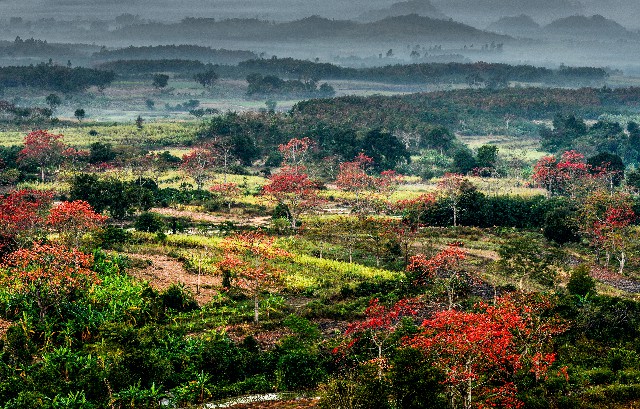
[256, 309]
[622, 260]
[455, 216]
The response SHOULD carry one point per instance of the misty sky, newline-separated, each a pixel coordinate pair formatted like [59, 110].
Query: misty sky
[624, 11]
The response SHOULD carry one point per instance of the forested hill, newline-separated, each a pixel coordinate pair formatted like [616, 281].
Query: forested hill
[444, 107]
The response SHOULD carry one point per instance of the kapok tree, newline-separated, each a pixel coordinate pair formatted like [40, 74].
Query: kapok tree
[199, 164]
[73, 219]
[444, 266]
[353, 178]
[226, 192]
[378, 327]
[452, 188]
[22, 215]
[294, 153]
[293, 188]
[412, 211]
[482, 352]
[47, 274]
[249, 257]
[562, 176]
[44, 150]
[606, 219]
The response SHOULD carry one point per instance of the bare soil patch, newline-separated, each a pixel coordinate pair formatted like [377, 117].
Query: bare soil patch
[289, 404]
[164, 271]
[257, 221]
[616, 280]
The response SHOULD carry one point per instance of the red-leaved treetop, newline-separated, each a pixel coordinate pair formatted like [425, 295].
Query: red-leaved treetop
[569, 174]
[379, 325]
[199, 164]
[293, 188]
[249, 257]
[480, 352]
[369, 190]
[444, 263]
[445, 266]
[22, 214]
[48, 274]
[43, 149]
[226, 192]
[605, 219]
[294, 152]
[73, 219]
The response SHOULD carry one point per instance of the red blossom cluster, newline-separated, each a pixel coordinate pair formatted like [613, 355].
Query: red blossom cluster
[294, 152]
[249, 256]
[293, 188]
[442, 263]
[22, 212]
[558, 176]
[481, 351]
[48, 273]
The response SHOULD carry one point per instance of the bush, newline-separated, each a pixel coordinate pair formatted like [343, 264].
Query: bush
[356, 390]
[581, 283]
[300, 370]
[112, 236]
[178, 298]
[560, 226]
[149, 222]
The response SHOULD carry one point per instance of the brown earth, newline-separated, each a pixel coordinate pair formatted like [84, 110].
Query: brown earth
[257, 221]
[164, 271]
[290, 404]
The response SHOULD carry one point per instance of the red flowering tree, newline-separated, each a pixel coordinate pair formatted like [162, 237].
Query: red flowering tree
[249, 257]
[226, 192]
[199, 164]
[294, 152]
[378, 327]
[565, 175]
[73, 219]
[482, 352]
[606, 219]
[293, 188]
[450, 188]
[47, 274]
[445, 266]
[22, 214]
[44, 150]
[353, 178]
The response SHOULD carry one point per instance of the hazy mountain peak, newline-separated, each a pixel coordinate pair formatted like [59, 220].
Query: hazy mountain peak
[420, 7]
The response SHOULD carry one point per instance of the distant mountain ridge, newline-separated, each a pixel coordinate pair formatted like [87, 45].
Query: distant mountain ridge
[409, 27]
[521, 25]
[595, 25]
[490, 10]
[420, 7]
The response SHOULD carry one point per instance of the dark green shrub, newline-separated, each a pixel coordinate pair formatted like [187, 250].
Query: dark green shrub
[560, 226]
[149, 222]
[178, 298]
[300, 370]
[360, 389]
[581, 283]
[112, 236]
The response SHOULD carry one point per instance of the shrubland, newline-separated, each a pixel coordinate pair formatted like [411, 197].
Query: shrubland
[353, 249]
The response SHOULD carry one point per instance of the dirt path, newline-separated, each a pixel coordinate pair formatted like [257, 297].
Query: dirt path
[257, 221]
[164, 271]
[616, 280]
